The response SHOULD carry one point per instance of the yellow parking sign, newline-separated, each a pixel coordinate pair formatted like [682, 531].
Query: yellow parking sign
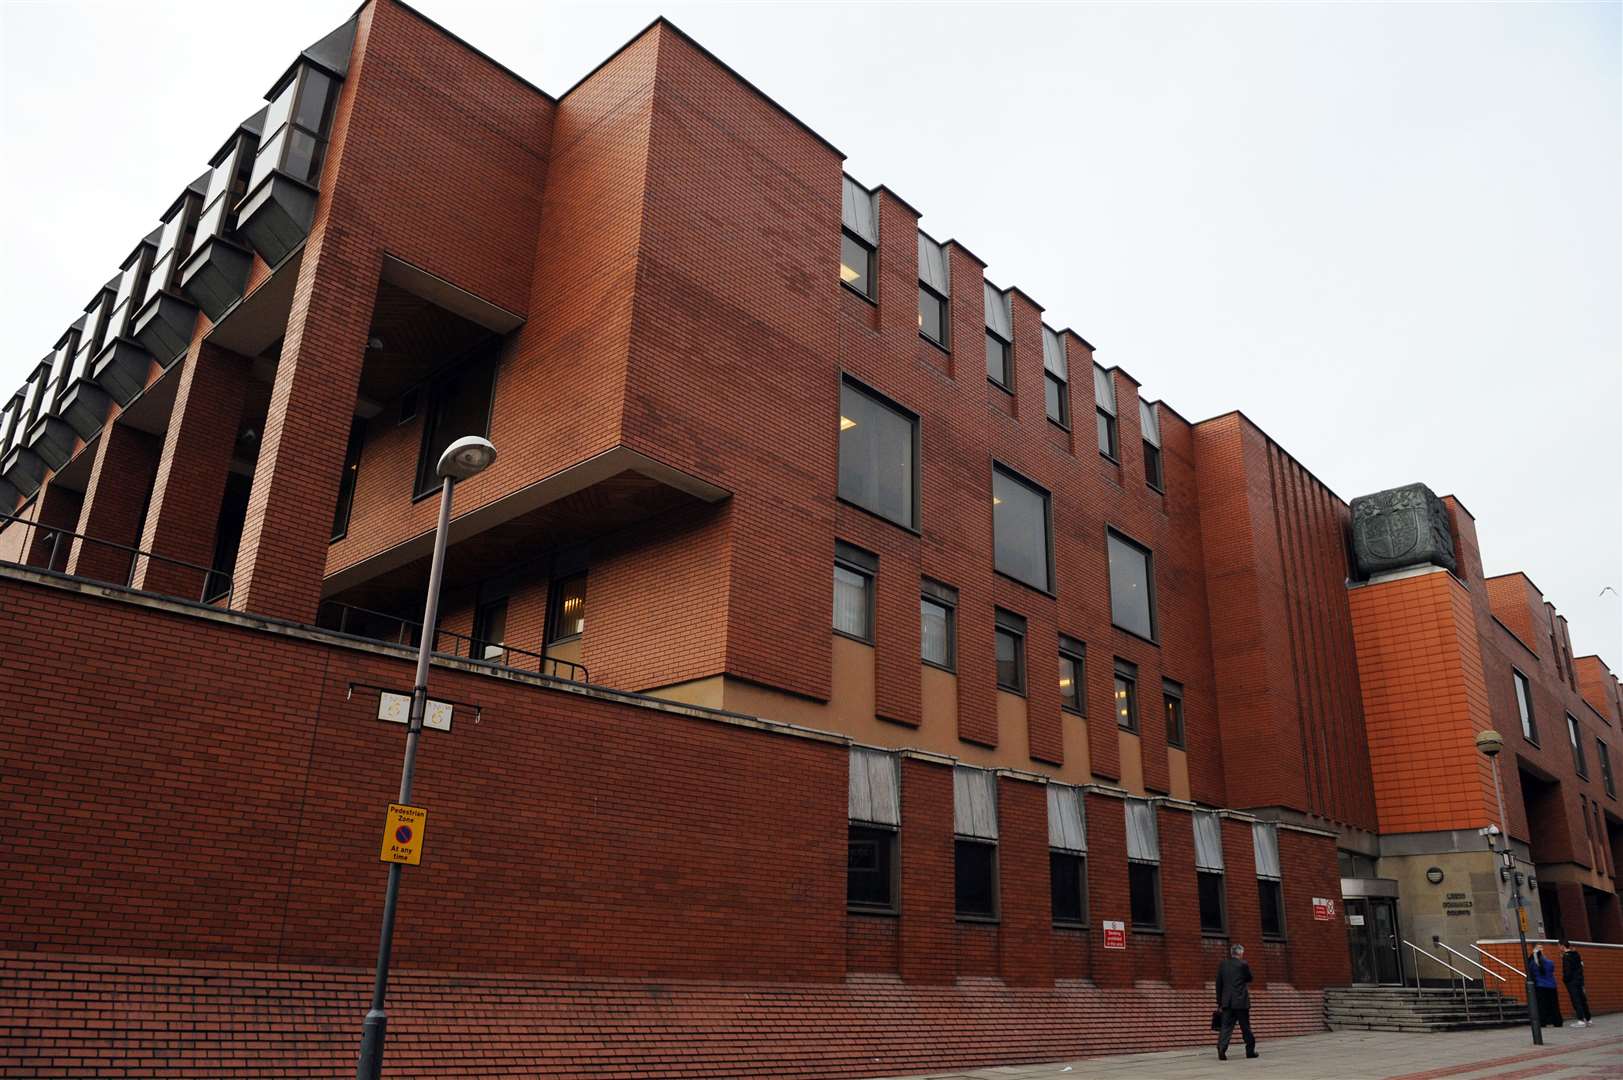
[403, 834]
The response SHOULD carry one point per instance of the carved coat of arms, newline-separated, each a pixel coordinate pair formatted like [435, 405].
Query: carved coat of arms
[1399, 528]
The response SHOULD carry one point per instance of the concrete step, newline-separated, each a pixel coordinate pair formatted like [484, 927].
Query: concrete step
[1394, 1008]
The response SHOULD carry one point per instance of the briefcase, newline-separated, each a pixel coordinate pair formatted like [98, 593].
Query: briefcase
[1217, 1019]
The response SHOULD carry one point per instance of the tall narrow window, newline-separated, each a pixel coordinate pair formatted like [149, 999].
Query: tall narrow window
[878, 455]
[1104, 402]
[1578, 761]
[490, 630]
[1011, 652]
[1149, 420]
[1605, 758]
[934, 289]
[1270, 891]
[999, 334]
[567, 619]
[1209, 872]
[974, 824]
[1022, 545]
[1067, 856]
[938, 618]
[1126, 695]
[1071, 667]
[859, 237]
[459, 406]
[1524, 705]
[854, 571]
[1172, 694]
[1132, 586]
[1143, 865]
[1056, 385]
[875, 816]
[346, 480]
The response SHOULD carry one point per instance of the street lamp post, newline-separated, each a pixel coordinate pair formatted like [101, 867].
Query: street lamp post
[1490, 742]
[462, 459]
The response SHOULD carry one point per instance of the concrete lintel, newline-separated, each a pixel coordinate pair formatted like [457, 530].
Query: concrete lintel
[453, 298]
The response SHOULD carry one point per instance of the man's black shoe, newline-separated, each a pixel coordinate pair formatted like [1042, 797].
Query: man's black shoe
[1252, 1053]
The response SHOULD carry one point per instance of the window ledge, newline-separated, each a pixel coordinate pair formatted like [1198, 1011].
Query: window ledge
[1275, 939]
[883, 913]
[1026, 584]
[1107, 457]
[1001, 386]
[854, 291]
[978, 920]
[926, 337]
[1157, 488]
[1214, 935]
[938, 667]
[1066, 925]
[843, 501]
[1073, 712]
[1058, 423]
[868, 641]
[1135, 633]
[1151, 931]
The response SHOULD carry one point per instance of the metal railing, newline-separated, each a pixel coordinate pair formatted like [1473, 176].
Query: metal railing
[382, 626]
[216, 586]
[1508, 967]
[1486, 971]
[1465, 982]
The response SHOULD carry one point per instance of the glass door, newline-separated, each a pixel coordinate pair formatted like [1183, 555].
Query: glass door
[1384, 940]
[1358, 943]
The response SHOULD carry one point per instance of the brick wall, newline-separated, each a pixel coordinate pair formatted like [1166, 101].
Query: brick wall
[1603, 972]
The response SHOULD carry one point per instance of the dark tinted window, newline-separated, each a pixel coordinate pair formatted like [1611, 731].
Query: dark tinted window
[1126, 696]
[1011, 661]
[933, 315]
[1107, 433]
[870, 874]
[878, 470]
[1070, 682]
[1021, 547]
[490, 630]
[1056, 401]
[856, 264]
[1173, 693]
[346, 481]
[936, 632]
[1144, 895]
[568, 609]
[1211, 902]
[1132, 587]
[1068, 882]
[1152, 465]
[997, 360]
[975, 878]
[1605, 766]
[1524, 704]
[853, 602]
[1272, 904]
[1578, 761]
[459, 406]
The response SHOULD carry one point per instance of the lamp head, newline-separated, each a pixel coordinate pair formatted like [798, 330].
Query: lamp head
[468, 456]
[1490, 742]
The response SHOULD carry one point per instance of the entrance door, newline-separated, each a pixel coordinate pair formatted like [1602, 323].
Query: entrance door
[1372, 938]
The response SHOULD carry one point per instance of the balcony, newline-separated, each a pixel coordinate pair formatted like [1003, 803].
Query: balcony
[122, 366]
[22, 467]
[215, 273]
[163, 326]
[84, 404]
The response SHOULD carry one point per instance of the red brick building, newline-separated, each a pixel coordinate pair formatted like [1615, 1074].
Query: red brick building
[1093, 698]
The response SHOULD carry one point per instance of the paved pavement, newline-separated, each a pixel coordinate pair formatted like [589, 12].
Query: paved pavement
[1568, 1053]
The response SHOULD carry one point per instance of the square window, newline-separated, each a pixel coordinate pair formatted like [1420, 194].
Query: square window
[1022, 546]
[933, 315]
[975, 879]
[1173, 695]
[856, 263]
[853, 602]
[997, 361]
[1070, 681]
[1011, 660]
[1126, 696]
[1210, 887]
[936, 632]
[1144, 895]
[878, 455]
[1056, 399]
[1068, 884]
[1132, 586]
[870, 874]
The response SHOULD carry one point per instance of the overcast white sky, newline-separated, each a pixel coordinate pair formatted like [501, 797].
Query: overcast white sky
[1391, 234]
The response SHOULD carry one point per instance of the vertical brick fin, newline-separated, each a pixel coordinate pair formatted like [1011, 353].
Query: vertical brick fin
[897, 689]
[290, 510]
[977, 669]
[115, 500]
[58, 509]
[1025, 952]
[1107, 888]
[182, 516]
[928, 925]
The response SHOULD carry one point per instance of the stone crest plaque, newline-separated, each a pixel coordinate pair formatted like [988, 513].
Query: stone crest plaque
[1399, 528]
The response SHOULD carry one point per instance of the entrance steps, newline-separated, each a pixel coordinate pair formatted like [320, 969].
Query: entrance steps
[1399, 1008]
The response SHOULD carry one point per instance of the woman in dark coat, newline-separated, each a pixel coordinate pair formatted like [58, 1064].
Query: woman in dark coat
[1542, 970]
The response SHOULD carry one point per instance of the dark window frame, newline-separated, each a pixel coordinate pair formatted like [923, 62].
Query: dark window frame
[884, 401]
[854, 560]
[1062, 395]
[1105, 424]
[470, 364]
[1276, 888]
[872, 258]
[994, 914]
[946, 598]
[1172, 704]
[1153, 870]
[1154, 637]
[1523, 689]
[1575, 735]
[1014, 626]
[1047, 589]
[1154, 474]
[345, 506]
[1006, 349]
[1205, 878]
[555, 609]
[1074, 651]
[1126, 672]
[1604, 754]
[946, 317]
[890, 855]
[1055, 857]
[483, 615]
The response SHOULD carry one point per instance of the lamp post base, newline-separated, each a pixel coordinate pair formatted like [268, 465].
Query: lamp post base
[370, 1064]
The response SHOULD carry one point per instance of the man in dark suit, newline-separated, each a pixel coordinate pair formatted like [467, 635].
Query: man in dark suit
[1234, 998]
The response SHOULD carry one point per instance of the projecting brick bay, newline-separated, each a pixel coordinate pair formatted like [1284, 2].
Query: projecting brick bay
[1568, 1053]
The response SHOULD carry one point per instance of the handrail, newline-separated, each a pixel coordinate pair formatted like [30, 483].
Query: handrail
[1439, 960]
[1508, 967]
[1445, 946]
[207, 594]
[462, 645]
[1465, 982]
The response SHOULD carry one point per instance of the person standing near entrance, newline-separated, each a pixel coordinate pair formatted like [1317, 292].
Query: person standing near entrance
[1234, 999]
[1572, 973]
[1542, 969]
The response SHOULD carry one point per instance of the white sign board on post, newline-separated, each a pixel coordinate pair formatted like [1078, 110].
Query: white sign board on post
[396, 708]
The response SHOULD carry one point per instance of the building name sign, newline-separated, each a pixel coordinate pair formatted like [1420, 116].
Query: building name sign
[1458, 903]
